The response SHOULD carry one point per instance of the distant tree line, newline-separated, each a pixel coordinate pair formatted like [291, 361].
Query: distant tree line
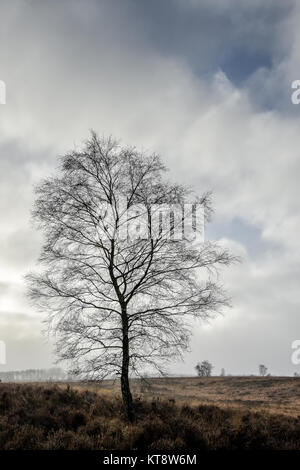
[35, 375]
[204, 369]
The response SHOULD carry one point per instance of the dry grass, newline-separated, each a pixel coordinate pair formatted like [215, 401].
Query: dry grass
[45, 417]
[276, 395]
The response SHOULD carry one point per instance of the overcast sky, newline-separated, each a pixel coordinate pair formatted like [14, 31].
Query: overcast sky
[205, 83]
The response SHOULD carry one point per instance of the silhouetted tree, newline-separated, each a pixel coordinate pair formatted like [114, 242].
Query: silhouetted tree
[117, 299]
[204, 369]
[262, 370]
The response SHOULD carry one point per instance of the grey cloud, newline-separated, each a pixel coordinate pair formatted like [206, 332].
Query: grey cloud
[238, 37]
[145, 71]
[25, 347]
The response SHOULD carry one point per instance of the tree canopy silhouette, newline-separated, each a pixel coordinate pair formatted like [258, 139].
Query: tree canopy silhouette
[120, 293]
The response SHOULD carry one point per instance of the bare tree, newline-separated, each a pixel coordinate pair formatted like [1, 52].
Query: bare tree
[222, 372]
[263, 370]
[118, 300]
[204, 369]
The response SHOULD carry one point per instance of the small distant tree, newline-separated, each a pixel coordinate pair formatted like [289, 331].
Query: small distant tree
[204, 369]
[263, 370]
[222, 372]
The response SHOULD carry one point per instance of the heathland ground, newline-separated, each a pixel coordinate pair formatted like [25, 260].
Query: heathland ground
[170, 414]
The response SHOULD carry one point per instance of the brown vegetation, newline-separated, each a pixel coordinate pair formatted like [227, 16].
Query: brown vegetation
[60, 417]
[276, 395]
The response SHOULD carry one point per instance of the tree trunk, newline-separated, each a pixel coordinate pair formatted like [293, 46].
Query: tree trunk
[126, 393]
